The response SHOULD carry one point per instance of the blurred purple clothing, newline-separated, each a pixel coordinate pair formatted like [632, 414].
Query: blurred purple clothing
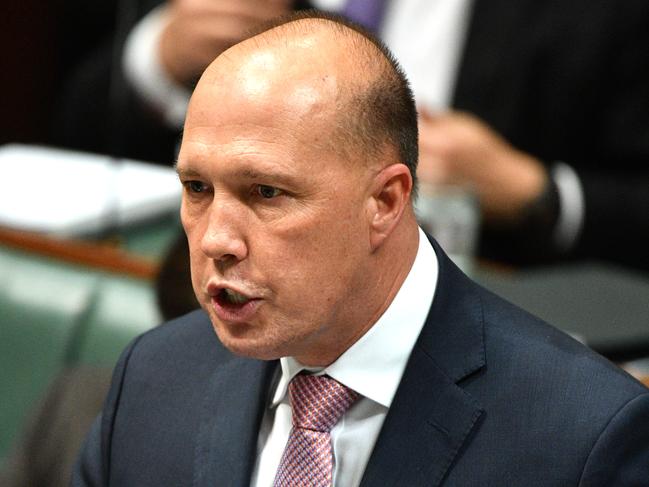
[368, 13]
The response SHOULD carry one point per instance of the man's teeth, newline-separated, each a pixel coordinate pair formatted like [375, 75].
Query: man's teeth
[234, 297]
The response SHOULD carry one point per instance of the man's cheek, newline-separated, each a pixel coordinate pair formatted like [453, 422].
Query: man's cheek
[197, 279]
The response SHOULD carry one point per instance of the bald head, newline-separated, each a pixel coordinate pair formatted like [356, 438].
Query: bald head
[316, 60]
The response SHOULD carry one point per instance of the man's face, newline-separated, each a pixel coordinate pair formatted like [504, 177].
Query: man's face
[277, 223]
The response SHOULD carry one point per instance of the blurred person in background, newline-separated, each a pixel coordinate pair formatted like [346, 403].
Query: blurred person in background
[541, 107]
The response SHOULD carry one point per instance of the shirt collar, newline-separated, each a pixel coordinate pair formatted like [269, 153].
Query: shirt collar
[373, 366]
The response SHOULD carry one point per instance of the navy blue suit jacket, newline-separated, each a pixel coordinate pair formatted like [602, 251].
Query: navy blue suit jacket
[491, 396]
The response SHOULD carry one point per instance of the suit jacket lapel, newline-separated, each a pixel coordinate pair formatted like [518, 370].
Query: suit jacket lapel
[227, 440]
[431, 417]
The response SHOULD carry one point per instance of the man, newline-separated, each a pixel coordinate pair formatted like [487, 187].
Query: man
[556, 144]
[298, 161]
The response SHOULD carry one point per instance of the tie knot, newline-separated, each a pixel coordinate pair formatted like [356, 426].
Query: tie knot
[318, 402]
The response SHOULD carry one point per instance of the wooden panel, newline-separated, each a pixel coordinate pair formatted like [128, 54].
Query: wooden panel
[96, 255]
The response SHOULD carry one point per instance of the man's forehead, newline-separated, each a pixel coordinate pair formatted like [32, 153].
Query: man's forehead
[249, 72]
[268, 70]
[238, 139]
[265, 92]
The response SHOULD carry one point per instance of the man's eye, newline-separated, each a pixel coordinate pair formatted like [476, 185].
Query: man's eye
[268, 191]
[195, 186]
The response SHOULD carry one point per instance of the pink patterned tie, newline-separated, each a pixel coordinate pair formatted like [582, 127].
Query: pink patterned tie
[317, 402]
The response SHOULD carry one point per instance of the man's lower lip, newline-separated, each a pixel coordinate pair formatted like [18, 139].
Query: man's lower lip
[236, 313]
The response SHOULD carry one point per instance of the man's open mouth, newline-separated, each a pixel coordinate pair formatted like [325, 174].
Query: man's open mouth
[228, 297]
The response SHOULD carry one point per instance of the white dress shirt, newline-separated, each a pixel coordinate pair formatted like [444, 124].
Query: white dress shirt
[373, 367]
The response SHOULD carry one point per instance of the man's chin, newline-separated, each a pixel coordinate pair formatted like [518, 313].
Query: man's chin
[245, 345]
[250, 350]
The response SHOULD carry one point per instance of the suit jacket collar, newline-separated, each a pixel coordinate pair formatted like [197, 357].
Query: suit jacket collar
[432, 417]
[453, 335]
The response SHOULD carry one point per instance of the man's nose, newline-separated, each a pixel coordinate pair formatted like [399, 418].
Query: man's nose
[223, 239]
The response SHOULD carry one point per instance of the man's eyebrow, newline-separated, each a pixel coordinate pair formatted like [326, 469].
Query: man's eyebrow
[252, 173]
[186, 172]
[273, 175]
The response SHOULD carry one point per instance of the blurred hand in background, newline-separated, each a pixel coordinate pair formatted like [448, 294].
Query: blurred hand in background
[197, 31]
[457, 148]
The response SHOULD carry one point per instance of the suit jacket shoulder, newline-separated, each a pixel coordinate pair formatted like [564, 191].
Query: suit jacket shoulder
[494, 396]
[178, 401]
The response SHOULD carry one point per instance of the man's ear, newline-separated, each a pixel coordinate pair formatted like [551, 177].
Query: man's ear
[390, 197]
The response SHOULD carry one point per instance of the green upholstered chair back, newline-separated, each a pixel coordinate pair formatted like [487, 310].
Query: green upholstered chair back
[54, 314]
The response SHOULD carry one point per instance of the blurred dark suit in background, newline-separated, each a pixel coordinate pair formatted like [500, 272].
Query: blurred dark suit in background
[43, 43]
